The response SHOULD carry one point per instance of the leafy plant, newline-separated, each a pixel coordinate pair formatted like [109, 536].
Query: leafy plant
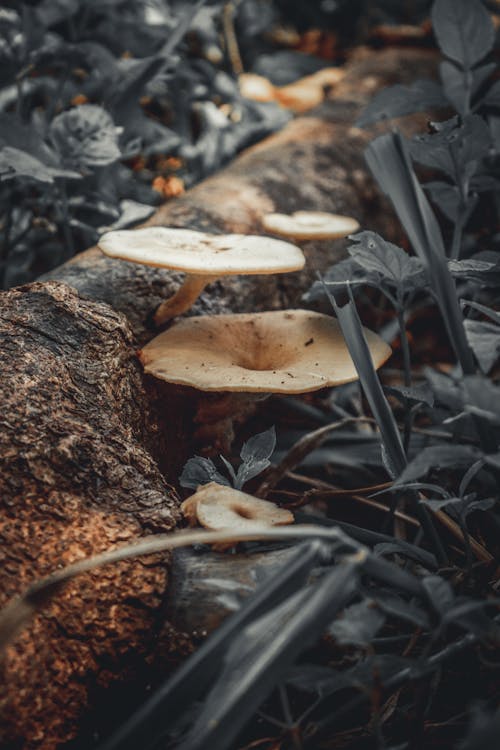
[255, 456]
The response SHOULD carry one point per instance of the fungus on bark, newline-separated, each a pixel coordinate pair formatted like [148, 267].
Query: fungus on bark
[250, 356]
[310, 225]
[203, 257]
[217, 507]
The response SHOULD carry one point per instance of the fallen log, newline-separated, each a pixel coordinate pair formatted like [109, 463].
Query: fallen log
[81, 442]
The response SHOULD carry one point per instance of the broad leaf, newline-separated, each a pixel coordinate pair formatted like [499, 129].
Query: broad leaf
[463, 29]
[16, 163]
[198, 471]
[484, 339]
[389, 261]
[400, 100]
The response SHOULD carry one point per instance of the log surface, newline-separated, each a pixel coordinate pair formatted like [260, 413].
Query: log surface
[79, 439]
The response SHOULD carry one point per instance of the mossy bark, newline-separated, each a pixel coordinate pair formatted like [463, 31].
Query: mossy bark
[81, 442]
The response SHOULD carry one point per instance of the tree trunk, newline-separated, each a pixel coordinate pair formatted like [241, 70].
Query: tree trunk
[81, 440]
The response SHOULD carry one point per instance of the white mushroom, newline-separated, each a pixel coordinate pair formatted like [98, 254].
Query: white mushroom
[310, 225]
[218, 507]
[203, 257]
[284, 351]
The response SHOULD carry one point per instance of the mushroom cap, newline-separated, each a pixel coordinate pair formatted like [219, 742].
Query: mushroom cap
[310, 225]
[287, 351]
[218, 507]
[201, 253]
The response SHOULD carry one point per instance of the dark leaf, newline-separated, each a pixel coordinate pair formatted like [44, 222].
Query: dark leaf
[325, 681]
[261, 656]
[481, 74]
[358, 349]
[440, 457]
[345, 272]
[492, 98]
[453, 80]
[199, 470]
[409, 551]
[446, 389]
[446, 196]
[470, 615]
[395, 606]
[400, 100]
[478, 271]
[418, 394]
[260, 446]
[16, 163]
[358, 624]
[389, 261]
[132, 212]
[483, 733]
[439, 593]
[463, 29]
[484, 339]
[255, 455]
[389, 161]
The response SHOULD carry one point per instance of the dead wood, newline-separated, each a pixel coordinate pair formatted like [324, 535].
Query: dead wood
[81, 440]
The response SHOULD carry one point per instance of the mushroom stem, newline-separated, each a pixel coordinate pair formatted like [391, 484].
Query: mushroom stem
[184, 297]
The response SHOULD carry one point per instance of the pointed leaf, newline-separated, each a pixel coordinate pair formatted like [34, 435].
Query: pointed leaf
[463, 29]
[400, 100]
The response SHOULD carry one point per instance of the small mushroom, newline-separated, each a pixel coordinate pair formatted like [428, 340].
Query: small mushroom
[241, 358]
[217, 507]
[203, 257]
[310, 225]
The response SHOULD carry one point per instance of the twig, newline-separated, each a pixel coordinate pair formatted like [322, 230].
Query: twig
[232, 47]
[301, 449]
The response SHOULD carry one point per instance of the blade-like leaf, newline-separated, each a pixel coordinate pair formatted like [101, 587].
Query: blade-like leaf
[389, 161]
[260, 658]
[358, 349]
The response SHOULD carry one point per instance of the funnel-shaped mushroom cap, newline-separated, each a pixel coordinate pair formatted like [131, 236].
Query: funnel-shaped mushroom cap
[310, 225]
[217, 507]
[200, 253]
[288, 351]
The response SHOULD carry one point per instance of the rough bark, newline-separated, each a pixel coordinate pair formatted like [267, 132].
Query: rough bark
[80, 443]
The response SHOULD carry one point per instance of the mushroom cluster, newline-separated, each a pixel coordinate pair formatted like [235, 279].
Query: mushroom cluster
[203, 257]
[229, 362]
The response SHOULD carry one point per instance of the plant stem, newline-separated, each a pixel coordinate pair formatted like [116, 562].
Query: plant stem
[68, 236]
[456, 243]
[405, 349]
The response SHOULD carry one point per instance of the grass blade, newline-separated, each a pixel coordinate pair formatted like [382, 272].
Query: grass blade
[389, 161]
[352, 331]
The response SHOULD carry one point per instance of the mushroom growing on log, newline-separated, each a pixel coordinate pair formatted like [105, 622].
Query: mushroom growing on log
[79, 439]
[203, 257]
[224, 364]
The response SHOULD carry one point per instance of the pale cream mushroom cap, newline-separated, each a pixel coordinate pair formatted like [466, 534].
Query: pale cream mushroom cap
[287, 351]
[310, 225]
[203, 254]
[218, 507]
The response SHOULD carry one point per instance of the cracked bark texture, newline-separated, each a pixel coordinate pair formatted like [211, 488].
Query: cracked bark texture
[81, 443]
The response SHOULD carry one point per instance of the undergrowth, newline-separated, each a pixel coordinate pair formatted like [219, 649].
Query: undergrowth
[381, 634]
